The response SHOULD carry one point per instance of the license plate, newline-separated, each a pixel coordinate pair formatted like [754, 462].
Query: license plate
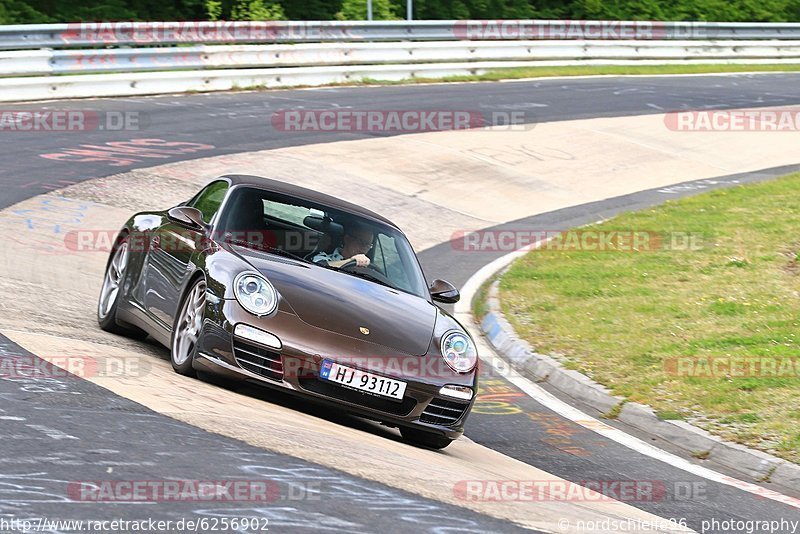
[362, 380]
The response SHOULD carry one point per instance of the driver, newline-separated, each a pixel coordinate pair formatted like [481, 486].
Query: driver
[356, 242]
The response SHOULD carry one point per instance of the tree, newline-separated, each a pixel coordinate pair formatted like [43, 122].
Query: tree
[49, 11]
[257, 10]
[213, 9]
[5, 16]
[311, 9]
[620, 10]
[793, 10]
[357, 10]
[20, 12]
[552, 9]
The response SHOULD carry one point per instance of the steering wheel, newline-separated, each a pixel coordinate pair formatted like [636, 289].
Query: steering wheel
[371, 271]
[371, 266]
[348, 264]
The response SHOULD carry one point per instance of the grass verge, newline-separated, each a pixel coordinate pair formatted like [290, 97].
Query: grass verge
[707, 333]
[549, 72]
[618, 70]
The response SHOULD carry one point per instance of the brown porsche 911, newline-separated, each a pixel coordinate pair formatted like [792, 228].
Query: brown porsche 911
[259, 280]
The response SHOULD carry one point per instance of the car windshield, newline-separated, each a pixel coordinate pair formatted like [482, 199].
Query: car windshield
[314, 233]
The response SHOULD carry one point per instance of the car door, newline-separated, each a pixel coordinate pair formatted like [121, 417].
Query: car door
[172, 246]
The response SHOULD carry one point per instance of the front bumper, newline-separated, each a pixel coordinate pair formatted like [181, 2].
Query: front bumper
[295, 368]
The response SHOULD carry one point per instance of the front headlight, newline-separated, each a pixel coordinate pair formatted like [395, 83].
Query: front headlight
[255, 294]
[459, 352]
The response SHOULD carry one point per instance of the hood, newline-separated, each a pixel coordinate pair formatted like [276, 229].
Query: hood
[343, 304]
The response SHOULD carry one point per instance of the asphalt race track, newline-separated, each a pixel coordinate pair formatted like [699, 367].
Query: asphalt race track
[53, 431]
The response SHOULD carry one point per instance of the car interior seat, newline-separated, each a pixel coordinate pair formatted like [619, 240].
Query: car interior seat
[331, 234]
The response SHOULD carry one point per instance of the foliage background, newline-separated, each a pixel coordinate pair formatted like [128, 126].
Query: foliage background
[44, 11]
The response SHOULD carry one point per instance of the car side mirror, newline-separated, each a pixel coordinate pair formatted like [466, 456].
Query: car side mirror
[187, 216]
[445, 292]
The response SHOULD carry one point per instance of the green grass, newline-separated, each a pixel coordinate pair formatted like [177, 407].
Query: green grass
[620, 317]
[480, 303]
[618, 70]
[547, 72]
[669, 416]
[588, 70]
[613, 413]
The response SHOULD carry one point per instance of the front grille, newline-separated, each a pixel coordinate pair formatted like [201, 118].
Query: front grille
[356, 397]
[257, 359]
[443, 412]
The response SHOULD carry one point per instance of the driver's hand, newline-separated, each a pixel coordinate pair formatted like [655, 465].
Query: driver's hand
[361, 260]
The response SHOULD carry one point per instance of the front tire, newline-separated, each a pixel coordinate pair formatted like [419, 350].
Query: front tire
[111, 292]
[187, 327]
[425, 439]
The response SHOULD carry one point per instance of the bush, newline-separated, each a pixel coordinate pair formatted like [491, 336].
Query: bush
[44, 11]
[357, 10]
[257, 10]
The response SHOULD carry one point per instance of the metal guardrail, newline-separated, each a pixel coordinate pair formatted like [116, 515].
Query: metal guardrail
[153, 83]
[51, 62]
[124, 59]
[87, 35]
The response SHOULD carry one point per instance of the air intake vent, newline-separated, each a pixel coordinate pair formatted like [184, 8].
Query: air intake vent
[443, 412]
[257, 359]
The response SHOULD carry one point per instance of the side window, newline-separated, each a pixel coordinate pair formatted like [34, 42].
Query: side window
[210, 199]
[286, 212]
[387, 259]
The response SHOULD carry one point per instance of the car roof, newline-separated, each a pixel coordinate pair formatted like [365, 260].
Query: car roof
[304, 193]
